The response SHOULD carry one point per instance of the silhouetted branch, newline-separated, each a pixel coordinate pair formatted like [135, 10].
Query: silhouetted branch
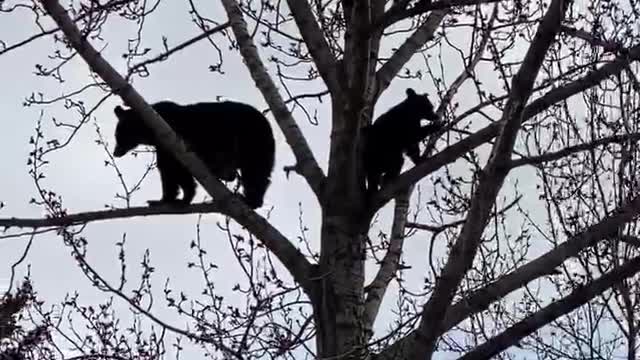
[316, 43]
[31, 38]
[588, 37]
[397, 13]
[555, 155]
[535, 321]
[493, 174]
[92, 216]
[179, 47]
[437, 229]
[479, 300]
[313, 174]
[389, 266]
[400, 57]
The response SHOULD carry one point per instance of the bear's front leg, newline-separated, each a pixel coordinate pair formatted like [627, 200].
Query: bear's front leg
[170, 174]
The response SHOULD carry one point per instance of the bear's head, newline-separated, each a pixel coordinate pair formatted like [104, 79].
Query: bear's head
[130, 131]
[420, 105]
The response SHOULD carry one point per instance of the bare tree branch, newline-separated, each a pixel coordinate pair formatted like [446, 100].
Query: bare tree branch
[398, 13]
[316, 43]
[464, 250]
[555, 155]
[437, 229]
[469, 68]
[307, 163]
[108, 5]
[180, 46]
[535, 321]
[588, 37]
[480, 299]
[389, 266]
[290, 256]
[424, 33]
[91, 216]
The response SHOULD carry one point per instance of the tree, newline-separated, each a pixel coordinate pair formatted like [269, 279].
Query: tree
[543, 90]
[17, 343]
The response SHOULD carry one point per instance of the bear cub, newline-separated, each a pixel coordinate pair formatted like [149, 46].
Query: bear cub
[227, 136]
[394, 133]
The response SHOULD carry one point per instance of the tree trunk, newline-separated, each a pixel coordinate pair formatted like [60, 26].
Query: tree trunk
[339, 304]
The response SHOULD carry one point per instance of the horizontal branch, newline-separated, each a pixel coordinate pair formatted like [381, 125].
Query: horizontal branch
[555, 155]
[549, 313]
[443, 227]
[92, 216]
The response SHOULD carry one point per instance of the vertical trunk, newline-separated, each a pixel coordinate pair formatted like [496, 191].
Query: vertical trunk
[339, 304]
[339, 300]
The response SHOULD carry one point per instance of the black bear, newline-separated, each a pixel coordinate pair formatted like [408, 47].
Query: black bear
[396, 132]
[227, 136]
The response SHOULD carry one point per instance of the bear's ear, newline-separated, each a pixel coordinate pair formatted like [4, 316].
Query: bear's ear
[411, 92]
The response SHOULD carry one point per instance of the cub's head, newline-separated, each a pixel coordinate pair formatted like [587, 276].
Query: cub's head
[420, 105]
[130, 131]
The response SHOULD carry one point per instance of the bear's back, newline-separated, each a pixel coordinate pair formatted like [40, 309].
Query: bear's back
[394, 126]
[211, 121]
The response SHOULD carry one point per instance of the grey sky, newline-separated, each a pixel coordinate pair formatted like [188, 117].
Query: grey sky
[78, 173]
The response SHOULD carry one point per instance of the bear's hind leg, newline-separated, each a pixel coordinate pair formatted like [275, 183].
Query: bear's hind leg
[255, 185]
[392, 172]
[188, 185]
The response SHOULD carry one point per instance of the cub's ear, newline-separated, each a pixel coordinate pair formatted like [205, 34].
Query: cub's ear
[411, 92]
[119, 111]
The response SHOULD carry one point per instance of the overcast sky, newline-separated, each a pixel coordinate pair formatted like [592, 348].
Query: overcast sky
[79, 175]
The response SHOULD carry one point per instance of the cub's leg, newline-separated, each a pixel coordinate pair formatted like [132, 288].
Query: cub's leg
[393, 169]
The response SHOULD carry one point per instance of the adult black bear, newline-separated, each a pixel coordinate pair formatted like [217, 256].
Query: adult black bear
[396, 132]
[227, 136]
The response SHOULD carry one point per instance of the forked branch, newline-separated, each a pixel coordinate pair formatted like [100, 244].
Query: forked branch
[316, 43]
